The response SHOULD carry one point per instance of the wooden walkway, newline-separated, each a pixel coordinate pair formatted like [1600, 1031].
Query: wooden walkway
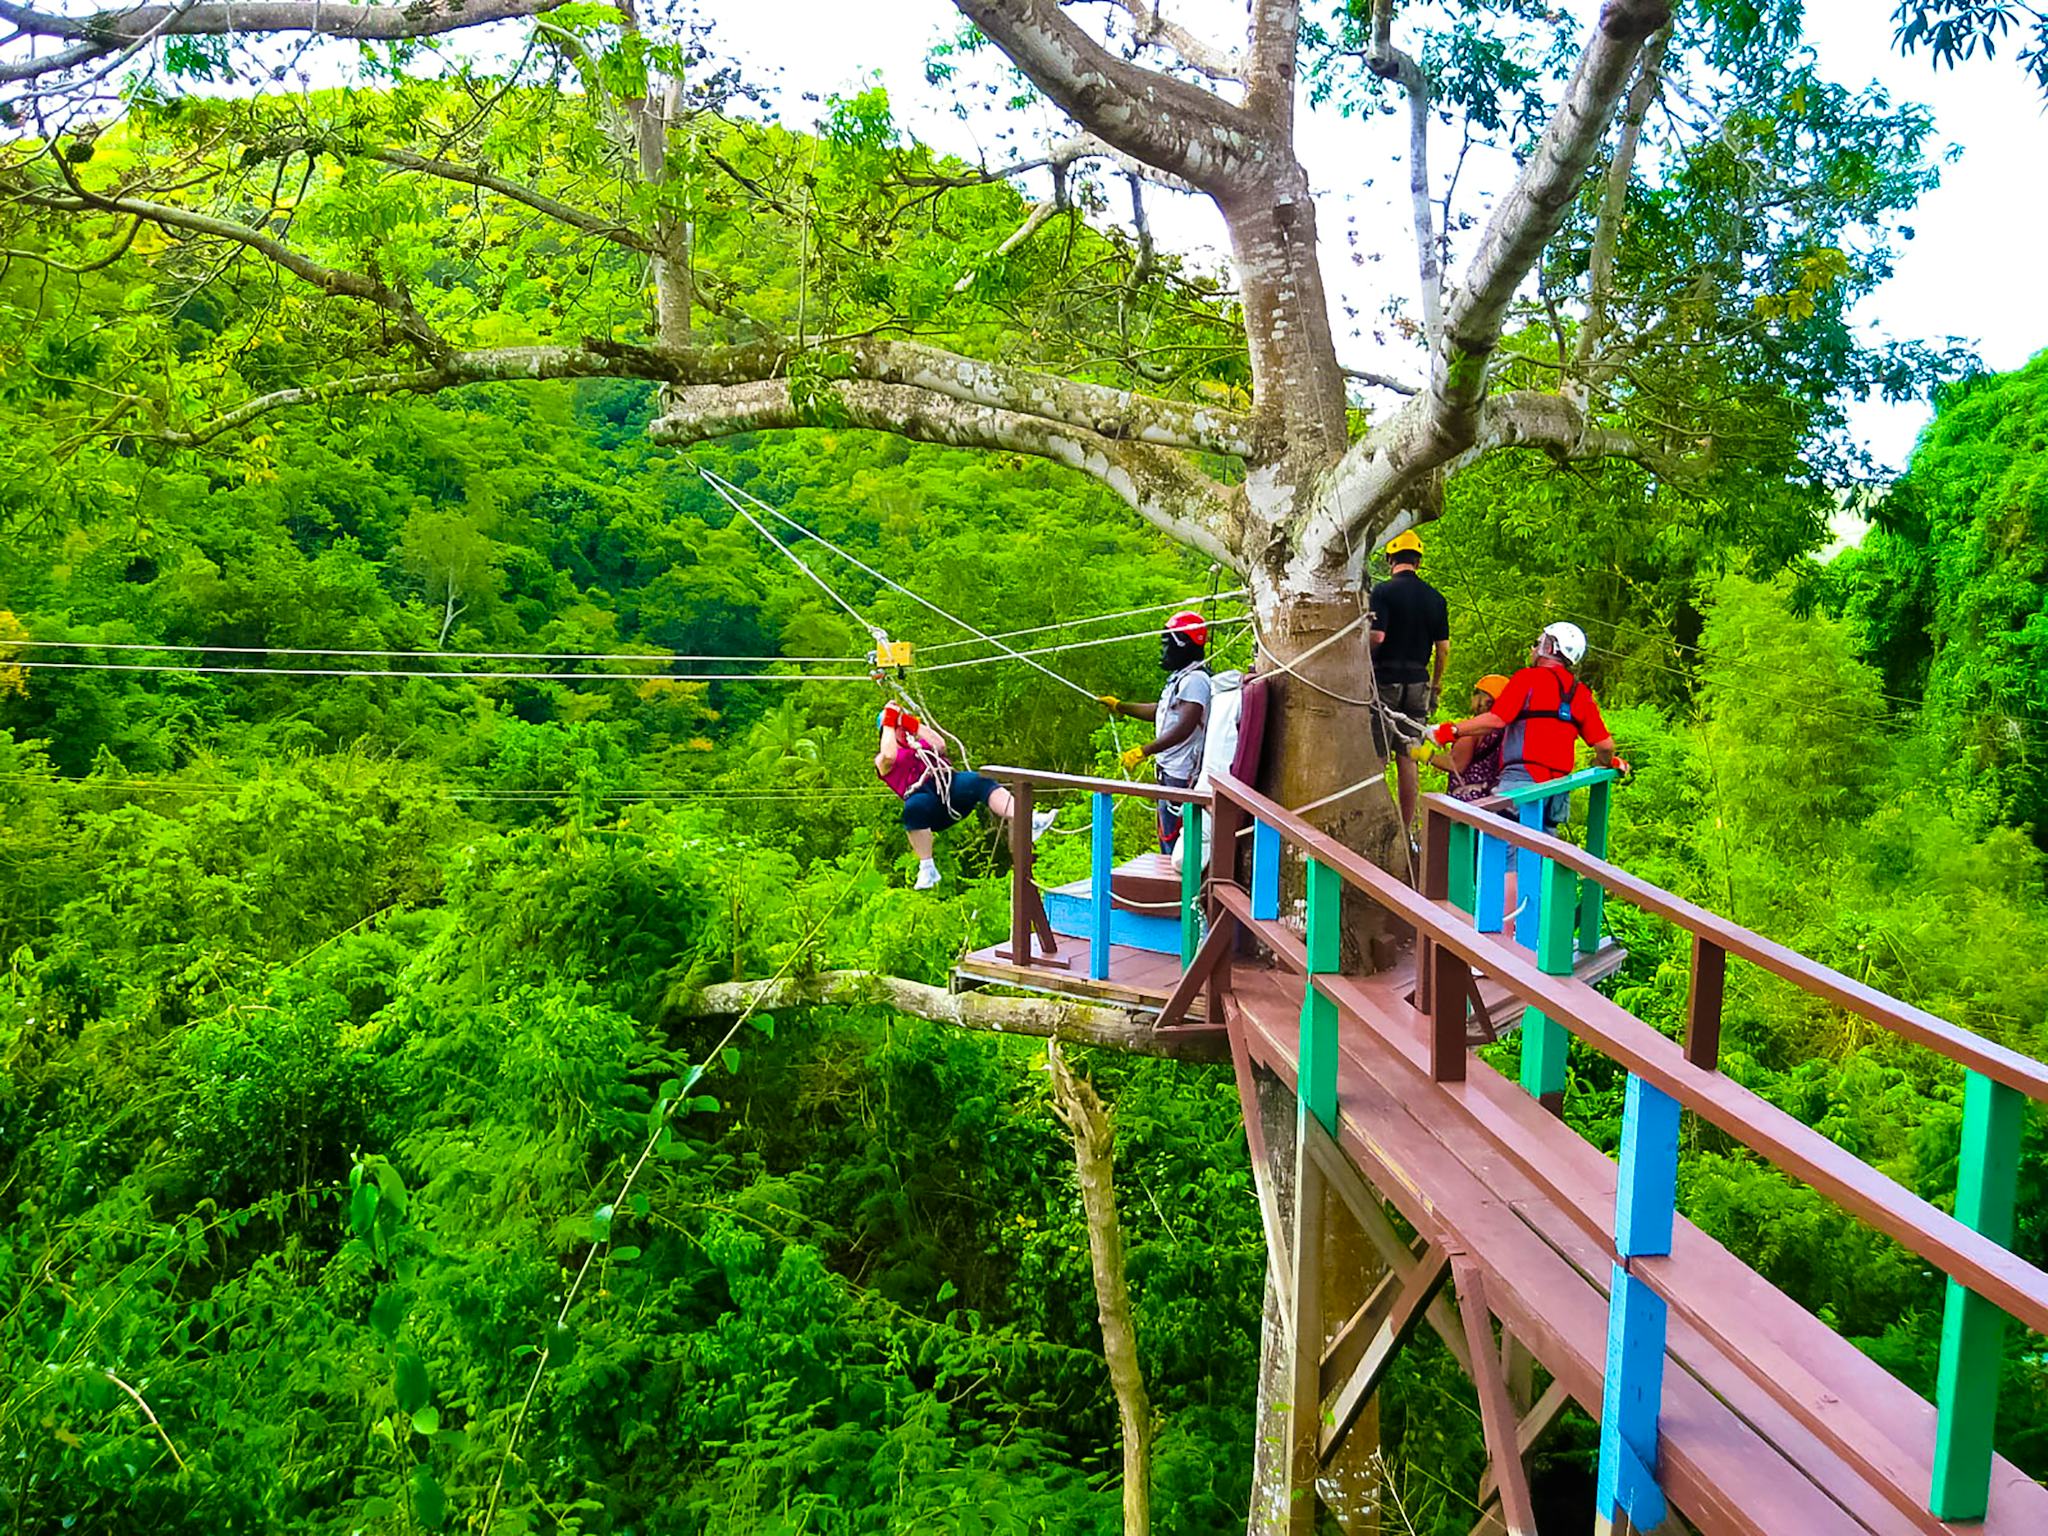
[1719, 1397]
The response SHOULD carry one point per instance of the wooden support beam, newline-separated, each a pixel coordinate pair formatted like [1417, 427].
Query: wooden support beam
[1398, 1256]
[1529, 1432]
[1703, 1003]
[1360, 1354]
[1222, 934]
[1020, 873]
[1305, 1458]
[1496, 1408]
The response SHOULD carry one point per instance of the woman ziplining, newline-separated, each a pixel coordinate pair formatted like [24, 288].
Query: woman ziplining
[936, 796]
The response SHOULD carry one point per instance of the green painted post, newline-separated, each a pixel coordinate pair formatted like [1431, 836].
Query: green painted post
[1190, 884]
[1316, 1083]
[1464, 870]
[1592, 895]
[1544, 1040]
[1972, 1329]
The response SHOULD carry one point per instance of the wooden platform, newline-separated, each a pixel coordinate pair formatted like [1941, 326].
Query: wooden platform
[1139, 979]
[1482, 1166]
[1143, 979]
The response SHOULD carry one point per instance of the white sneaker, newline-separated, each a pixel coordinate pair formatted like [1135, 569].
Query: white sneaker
[1041, 823]
[927, 877]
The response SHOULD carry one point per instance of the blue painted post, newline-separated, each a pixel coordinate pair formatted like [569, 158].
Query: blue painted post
[1973, 1329]
[1316, 1081]
[1190, 883]
[1645, 1207]
[1101, 864]
[1265, 872]
[1493, 885]
[1529, 878]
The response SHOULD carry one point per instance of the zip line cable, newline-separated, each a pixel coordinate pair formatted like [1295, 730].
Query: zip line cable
[794, 558]
[728, 491]
[287, 650]
[455, 677]
[1100, 618]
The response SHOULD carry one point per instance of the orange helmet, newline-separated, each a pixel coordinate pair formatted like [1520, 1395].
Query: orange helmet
[1493, 685]
[1190, 626]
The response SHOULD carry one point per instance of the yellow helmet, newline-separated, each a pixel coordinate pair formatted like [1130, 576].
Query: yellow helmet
[1403, 543]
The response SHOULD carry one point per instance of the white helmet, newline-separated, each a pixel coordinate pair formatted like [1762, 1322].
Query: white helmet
[1569, 639]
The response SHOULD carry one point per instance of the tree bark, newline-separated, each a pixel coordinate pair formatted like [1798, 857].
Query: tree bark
[1038, 1017]
[1086, 1118]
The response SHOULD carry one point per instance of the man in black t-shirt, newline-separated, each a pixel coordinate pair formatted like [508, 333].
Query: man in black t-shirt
[1411, 645]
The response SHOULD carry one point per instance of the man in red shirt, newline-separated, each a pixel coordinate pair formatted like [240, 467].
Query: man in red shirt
[1545, 712]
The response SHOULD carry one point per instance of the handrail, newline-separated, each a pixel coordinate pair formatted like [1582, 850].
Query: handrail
[1796, 1148]
[1585, 778]
[1136, 791]
[1995, 1061]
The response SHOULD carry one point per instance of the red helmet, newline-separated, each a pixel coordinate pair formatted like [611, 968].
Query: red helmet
[1190, 626]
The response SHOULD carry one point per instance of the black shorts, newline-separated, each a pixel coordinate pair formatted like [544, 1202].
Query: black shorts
[1409, 699]
[924, 811]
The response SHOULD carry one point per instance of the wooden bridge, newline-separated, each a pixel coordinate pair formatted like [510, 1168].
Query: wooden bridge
[1724, 1406]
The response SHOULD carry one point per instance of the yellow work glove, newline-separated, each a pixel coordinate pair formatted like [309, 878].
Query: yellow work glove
[1133, 756]
[1108, 701]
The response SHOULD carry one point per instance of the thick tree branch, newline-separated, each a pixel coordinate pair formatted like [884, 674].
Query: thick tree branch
[1390, 63]
[1528, 418]
[1087, 1120]
[1151, 28]
[1535, 206]
[489, 181]
[1168, 124]
[338, 281]
[1037, 1017]
[1270, 69]
[1372, 490]
[100, 33]
[491, 365]
[1158, 484]
[1614, 197]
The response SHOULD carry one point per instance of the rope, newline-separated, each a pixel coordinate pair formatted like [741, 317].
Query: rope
[1100, 618]
[1072, 645]
[287, 650]
[725, 488]
[794, 559]
[530, 677]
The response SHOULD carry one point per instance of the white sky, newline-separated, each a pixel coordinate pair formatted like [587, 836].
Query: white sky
[1972, 272]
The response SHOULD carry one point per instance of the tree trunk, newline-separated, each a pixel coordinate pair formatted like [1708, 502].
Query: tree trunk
[1351, 1485]
[1296, 381]
[1088, 1120]
[1320, 748]
[450, 612]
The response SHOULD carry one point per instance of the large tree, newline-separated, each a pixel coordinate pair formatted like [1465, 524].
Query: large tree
[1662, 278]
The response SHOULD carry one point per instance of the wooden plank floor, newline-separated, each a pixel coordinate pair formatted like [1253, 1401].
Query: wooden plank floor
[1139, 979]
[1483, 1165]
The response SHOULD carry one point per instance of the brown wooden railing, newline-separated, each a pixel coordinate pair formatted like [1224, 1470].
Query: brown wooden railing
[1027, 907]
[1664, 1077]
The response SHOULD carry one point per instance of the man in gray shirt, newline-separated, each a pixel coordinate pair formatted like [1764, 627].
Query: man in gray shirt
[1182, 713]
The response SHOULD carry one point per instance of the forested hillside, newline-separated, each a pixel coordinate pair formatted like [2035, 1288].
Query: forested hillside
[364, 1165]
[273, 942]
